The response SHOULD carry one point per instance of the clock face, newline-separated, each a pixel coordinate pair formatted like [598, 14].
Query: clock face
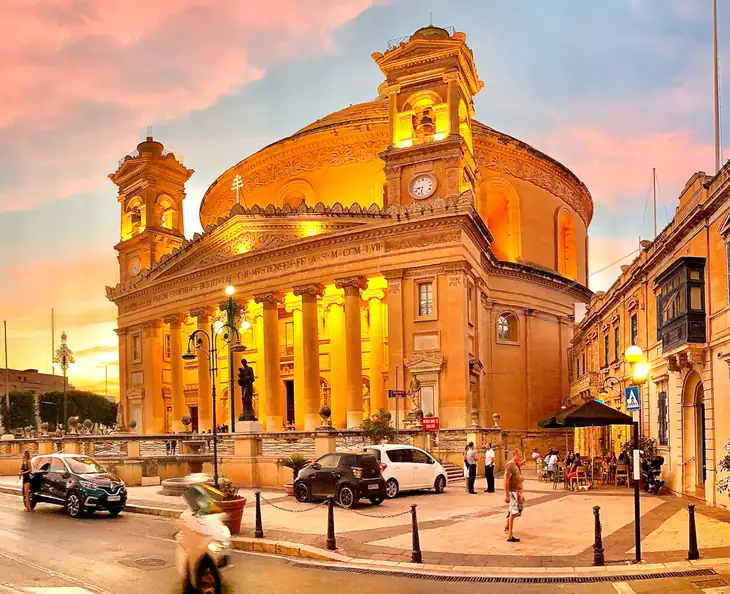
[422, 186]
[134, 267]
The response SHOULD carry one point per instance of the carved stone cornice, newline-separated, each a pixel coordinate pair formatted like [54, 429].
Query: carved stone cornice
[202, 312]
[393, 274]
[121, 331]
[425, 362]
[176, 319]
[685, 358]
[723, 356]
[151, 324]
[315, 289]
[484, 299]
[352, 285]
[269, 297]
[451, 76]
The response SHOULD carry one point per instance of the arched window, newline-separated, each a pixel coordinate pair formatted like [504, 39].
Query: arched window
[167, 213]
[499, 206]
[567, 264]
[134, 219]
[294, 193]
[507, 327]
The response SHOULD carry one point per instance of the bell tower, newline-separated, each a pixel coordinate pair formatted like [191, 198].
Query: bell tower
[151, 184]
[430, 81]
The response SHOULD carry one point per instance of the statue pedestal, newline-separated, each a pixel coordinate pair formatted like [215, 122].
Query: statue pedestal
[249, 427]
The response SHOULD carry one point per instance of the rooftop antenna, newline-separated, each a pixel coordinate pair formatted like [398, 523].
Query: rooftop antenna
[149, 131]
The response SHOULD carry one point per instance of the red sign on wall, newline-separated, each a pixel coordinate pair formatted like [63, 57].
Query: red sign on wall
[430, 423]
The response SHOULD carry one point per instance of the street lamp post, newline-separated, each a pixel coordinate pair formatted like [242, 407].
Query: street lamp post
[196, 341]
[63, 359]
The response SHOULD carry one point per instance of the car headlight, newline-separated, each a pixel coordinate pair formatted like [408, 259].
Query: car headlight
[88, 485]
[216, 546]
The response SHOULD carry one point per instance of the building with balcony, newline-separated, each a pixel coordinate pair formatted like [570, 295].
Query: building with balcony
[394, 240]
[673, 302]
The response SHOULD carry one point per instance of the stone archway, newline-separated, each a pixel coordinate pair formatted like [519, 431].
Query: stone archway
[693, 434]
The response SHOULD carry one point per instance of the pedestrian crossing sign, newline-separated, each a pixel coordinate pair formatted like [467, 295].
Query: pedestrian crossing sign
[632, 398]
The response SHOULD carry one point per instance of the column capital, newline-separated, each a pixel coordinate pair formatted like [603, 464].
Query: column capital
[451, 77]
[315, 289]
[378, 294]
[351, 285]
[152, 324]
[392, 90]
[175, 319]
[269, 297]
[202, 312]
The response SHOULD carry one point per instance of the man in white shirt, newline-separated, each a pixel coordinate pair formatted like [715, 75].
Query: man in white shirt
[489, 468]
[471, 460]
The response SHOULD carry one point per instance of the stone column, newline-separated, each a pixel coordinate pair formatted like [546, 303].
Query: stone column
[153, 404]
[338, 385]
[452, 80]
[123, 373]
[310, 353]
[374, 295]
[205, 395]
[396, 339]
[176, 370]
[294, 305]
[353, 347]
[274, 392]
[392, 112]
[257, 323]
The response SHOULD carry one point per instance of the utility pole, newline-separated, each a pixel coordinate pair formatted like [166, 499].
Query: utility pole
[7, 373]
[717, 85]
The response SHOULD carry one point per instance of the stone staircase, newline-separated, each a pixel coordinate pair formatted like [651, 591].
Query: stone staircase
[454, 473]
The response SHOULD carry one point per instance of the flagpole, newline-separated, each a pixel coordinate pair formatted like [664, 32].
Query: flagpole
[7, 369]
[717, 86]
[53, 340]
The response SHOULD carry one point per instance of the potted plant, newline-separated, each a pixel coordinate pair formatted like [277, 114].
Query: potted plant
[296, 462]
[232, 504]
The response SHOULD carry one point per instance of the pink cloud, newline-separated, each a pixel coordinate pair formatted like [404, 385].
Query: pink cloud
[617, 168]
[129, 63]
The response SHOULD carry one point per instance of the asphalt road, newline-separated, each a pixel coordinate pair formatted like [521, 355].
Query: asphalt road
[47, 551]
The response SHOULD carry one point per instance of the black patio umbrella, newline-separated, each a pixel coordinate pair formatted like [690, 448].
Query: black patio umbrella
[590, 414]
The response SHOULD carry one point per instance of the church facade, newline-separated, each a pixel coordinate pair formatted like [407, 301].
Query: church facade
[392, 241]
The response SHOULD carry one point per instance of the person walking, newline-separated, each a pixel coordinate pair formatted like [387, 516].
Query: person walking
[471, 459]
[489, 468]
[513, 485]
[25, 472]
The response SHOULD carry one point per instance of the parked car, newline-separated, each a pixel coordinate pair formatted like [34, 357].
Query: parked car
[78, 483]
[406, 468]
[347, 477]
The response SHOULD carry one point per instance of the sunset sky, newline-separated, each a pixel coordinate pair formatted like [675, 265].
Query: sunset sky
[610, 89]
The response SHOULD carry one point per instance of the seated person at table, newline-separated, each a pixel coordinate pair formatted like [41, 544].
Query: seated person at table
[569, 459]
[574, 467]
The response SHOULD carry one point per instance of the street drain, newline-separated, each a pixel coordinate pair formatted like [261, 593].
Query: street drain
[149, 562]
[630, 577]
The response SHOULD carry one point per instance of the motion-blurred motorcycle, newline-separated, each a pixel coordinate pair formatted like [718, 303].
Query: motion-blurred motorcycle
[651, 470]
[203, 542]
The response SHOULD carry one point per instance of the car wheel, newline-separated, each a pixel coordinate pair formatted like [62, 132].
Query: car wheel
[74, 505]
[301, 492]
[114, 512]
[391, 488]
[376, 500]
[346, 496]
[440, 484]
[208, 580]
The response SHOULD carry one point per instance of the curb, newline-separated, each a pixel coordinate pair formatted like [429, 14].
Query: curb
[132, 508]
[325, 557]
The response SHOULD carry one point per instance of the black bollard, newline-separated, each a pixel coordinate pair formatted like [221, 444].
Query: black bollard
[331, 543]
[693, 553]
[598, 558]
[259, 533]
[416, 556]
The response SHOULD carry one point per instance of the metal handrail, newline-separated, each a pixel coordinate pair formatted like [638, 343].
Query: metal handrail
[687, 461]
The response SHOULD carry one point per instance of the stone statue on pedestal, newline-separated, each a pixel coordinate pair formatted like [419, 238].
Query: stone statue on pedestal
[245, 380]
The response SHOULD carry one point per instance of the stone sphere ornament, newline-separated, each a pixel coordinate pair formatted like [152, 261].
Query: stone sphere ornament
[325, 413]
[88, 423]
[132, 424]
[186, 420]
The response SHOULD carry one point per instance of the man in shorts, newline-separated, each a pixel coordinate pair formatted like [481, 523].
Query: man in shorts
[513, 485]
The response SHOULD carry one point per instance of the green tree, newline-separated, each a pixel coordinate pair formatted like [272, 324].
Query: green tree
[22, 411]
[378, 427]
[81, 404]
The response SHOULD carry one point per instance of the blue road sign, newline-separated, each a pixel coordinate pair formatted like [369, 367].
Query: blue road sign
[632, 398]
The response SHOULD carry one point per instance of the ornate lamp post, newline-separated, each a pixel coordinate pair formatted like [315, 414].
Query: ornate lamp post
[228, 334]
[63, 360]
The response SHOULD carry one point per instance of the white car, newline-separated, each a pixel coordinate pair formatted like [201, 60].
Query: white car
[406, 468]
